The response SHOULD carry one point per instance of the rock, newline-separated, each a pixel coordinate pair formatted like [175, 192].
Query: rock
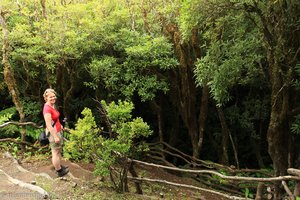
[161, 195]
[63, 178]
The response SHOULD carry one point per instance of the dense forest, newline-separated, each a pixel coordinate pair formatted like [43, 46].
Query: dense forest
[217, 79]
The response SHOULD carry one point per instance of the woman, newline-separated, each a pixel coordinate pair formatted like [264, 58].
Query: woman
[53, 125]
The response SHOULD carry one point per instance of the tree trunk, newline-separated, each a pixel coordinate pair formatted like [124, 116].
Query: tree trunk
[9, 78]
[225, 137]
[174, 132]
[278, 130]
[257, 149]
[203, 116]
[69, 80]
[187, 53]
[277, 134]
[281, 38]
[257, 142]
[138, 186]
[158, 112]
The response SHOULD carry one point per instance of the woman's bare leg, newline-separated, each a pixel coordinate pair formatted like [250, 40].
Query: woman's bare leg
[56, 158]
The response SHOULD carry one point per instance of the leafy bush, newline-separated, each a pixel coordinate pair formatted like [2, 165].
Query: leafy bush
[32, 110]
[110, 154]
[84, 139]
[6, 115]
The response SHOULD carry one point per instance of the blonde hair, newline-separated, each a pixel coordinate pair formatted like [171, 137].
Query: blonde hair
[45, 95]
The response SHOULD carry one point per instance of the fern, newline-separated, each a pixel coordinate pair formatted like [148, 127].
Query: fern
[295, 127]
[6, 114]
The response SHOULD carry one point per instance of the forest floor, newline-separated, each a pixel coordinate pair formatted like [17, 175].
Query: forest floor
[19, 174]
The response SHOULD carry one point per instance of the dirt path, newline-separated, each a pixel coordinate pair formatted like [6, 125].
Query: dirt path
[35, 179]
[9, 190]
[38, 180]
[16, 183]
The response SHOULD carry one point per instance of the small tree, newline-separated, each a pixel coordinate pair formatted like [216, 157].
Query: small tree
[84, 140]
[110, 152]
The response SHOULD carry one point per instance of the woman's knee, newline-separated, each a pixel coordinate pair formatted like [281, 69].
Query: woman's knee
[55, 152]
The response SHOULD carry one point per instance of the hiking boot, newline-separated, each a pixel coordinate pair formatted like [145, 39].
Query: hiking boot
[62, 172]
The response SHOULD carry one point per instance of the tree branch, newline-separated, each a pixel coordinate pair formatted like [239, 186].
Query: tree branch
[103, 114]
[186, 186]
[201, 163]
[249, 179]
[21, 142]
[288, 191]
[295, 56]
[21, 124]
[292, 171]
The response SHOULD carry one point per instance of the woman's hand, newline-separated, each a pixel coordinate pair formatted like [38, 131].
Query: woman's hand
[56, 139]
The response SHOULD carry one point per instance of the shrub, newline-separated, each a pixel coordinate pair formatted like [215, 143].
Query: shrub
[88, 142]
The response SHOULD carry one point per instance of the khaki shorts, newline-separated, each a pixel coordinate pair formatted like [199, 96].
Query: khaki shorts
[54, 145]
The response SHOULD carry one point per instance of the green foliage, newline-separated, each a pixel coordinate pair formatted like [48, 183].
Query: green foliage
[247, 116]
[7, 114]
[138, 66]
[248, 193]
[84, 140]
[228, 63]
[118, 47]
[128, 131]
[296, 82]
[119, 112]
[295, 127]
[32, 110]
[231, 44]
[190, 17]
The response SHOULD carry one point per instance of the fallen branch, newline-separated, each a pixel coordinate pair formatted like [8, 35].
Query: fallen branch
[21, 142]
[297, 189]
[188, 186]
[259, 191]
[272, 179]
[217, 186]
[161, 159]
[172, 154]
[202, 163]
[185, 156]
[293, 171]
[288, 191]
[21, 124]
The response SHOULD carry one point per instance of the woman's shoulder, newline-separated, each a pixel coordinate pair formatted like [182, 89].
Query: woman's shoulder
[47, 108]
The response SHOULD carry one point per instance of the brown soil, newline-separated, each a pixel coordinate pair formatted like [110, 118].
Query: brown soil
[81, 182]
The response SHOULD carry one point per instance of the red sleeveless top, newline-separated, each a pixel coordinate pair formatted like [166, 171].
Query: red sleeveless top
[54, 116]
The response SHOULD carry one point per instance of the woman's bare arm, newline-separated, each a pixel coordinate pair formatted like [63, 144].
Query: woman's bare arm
[48, 121]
